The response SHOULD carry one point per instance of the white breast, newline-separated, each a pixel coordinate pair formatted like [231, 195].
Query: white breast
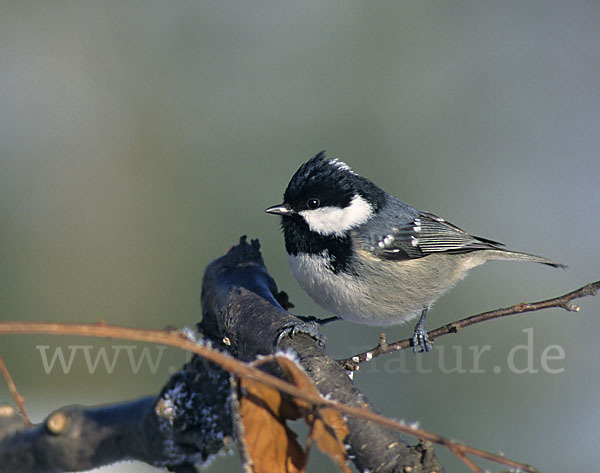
[341, 294]
[388, 293]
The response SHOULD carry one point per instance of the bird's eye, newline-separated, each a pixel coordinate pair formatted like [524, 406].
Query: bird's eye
[313, 203]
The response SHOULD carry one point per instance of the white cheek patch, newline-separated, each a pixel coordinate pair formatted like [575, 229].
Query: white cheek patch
[337, 221]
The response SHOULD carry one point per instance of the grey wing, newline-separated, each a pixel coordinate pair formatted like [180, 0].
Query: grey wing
[426, 234]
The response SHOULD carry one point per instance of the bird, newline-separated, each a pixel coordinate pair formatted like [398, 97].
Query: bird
[368, 257]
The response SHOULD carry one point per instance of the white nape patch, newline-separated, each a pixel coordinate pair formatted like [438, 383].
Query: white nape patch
[337, 221]
[341, 165]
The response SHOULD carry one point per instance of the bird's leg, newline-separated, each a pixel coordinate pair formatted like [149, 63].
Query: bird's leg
[309, 326]
[333, 318]
[312, 318]
[421, 341]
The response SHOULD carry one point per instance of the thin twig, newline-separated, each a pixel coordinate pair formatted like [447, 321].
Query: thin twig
[240, 369]
[12, 388]
[563, 302]
[466, 460]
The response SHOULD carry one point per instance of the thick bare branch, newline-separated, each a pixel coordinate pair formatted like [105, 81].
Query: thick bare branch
[241, 314]
[239, 301]
[189, 422]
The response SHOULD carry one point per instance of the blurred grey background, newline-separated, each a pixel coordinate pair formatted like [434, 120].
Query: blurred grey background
[139, 139]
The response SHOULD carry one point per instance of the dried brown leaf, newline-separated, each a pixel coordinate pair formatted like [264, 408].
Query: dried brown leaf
[269, 445]
[327, 426]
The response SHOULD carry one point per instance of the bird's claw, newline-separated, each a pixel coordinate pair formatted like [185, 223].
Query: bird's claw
[309, 328]
[421, 341]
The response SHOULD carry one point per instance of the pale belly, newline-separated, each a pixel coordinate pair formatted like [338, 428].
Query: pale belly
[383, 294]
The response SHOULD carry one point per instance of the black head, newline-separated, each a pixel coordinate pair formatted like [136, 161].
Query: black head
[332, 183]
[321, 182]
[323, 201]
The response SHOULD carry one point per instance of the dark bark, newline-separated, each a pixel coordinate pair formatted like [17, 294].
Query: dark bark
[239, 301]
[191, 419]
[188, 423]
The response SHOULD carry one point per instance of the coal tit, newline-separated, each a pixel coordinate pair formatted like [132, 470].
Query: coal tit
[369, 257]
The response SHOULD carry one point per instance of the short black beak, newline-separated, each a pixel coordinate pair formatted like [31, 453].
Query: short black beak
[281, 209]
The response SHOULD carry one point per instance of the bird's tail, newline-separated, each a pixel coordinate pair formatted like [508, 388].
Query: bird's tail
[501, 254]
